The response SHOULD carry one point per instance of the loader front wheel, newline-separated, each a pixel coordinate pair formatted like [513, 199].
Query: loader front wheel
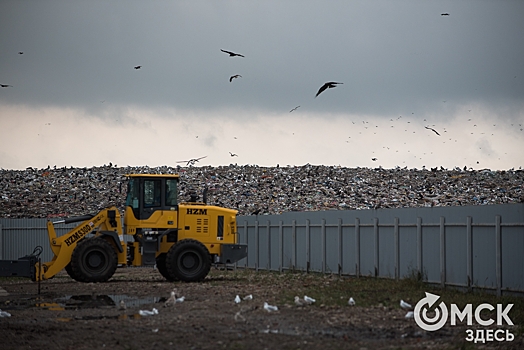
[94, 260]
[188, 260]
[162, 268]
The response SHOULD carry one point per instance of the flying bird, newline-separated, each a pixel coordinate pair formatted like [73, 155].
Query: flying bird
[233, 154]
[234, 76]
[191, 161]
[435, 131]
[137, 67]
[294, 109]
[232, 54]
[444, 14]
[374, 159]
[20, 53]
[328, 85]
[5, 85]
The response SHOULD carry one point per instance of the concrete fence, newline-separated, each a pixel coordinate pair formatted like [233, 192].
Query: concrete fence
[470, 247]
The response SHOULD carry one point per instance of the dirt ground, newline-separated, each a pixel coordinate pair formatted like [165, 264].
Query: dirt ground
[73, 315]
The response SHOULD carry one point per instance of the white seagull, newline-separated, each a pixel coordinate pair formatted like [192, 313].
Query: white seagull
[270, 308]
[298, 301]
[309, 300]
[237, 299]
[351, 301]
[405, 305]
[248, 297]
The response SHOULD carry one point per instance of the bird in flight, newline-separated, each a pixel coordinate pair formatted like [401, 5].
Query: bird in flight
[294, 109]
[192, 161]
[5, 85]
[233, 154]
[231, 54]
[444, 14]
[374, 159]
[234, 76]
[435, 131]
[20, 52]
[328, 85]
[137, 67]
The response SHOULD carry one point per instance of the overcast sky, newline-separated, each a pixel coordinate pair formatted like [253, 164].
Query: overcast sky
[75, 99]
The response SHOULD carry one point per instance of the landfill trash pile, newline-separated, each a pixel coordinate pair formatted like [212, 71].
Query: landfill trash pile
[251, 189]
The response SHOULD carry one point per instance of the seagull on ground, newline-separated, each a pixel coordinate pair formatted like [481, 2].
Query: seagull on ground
[410, 314]
[234, 77]
[180, 300]
[405, 305]
[298, 301]
[309, 300]
[237, 299]
[270, 308]
[172, 299]
[248, 297]
[351, 301]
[232, 54]
[122, 305]
[147, 312]
[328, 85]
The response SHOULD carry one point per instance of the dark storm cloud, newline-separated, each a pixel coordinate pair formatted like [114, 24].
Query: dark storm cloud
[393, 57]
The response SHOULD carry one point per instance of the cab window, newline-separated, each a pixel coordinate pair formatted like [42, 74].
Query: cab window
[152, 193]
[171, 192]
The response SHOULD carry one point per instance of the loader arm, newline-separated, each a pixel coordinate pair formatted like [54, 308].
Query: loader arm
[107, 221]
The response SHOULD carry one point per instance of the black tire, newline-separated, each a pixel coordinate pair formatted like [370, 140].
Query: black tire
[94, 260]
[162, 268]
[188, 260]
[69, 267]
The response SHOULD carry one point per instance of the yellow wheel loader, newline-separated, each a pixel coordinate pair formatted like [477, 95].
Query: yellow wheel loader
[182, 240]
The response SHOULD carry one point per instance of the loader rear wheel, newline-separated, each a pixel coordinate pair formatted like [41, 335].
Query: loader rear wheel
[188, 260]
[162, 268]
[94, 260]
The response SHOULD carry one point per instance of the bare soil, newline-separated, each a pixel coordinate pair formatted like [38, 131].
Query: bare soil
[73, 315]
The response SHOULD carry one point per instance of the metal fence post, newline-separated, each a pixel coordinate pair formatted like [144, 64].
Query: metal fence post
[498, 254]
[397, 250]
[469, 252]
[308, 248]
[357, 247]
[442, 252]
[281, 244]
[419, 246]
[245, 233]
[294, 243]
[256, 245]
[268, 245]
[375, 231]
[340, 248]
[323, 244]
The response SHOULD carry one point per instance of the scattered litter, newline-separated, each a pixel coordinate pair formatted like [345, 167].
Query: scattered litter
[148, 313]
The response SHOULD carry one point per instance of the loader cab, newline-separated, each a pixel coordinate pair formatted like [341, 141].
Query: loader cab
[149, 193]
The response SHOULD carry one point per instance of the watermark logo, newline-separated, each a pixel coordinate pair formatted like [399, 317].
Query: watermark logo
[423, 320]
[441, 316]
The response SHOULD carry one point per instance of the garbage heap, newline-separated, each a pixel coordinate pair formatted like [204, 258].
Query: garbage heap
[251, 189]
